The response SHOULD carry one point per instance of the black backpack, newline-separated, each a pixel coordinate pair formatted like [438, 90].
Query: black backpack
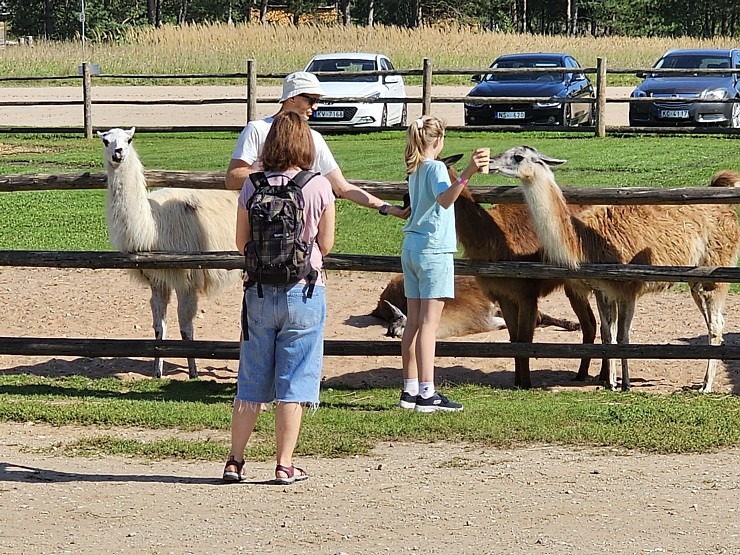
[276, 253]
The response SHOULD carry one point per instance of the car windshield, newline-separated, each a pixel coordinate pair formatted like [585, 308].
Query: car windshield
[515, 64]
[342, 65]
[696, 61]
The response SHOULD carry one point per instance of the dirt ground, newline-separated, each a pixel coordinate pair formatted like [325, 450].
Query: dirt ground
[402, 498]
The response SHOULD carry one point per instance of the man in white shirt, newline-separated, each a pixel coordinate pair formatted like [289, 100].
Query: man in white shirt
[301, 93]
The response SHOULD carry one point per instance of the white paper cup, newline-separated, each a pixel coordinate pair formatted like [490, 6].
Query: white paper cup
[487, 152]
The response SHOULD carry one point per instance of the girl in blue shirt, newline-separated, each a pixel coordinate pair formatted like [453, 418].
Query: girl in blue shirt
[427, 259]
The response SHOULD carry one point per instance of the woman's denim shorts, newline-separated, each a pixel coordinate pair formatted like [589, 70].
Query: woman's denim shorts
[281, 360]
[428, 275]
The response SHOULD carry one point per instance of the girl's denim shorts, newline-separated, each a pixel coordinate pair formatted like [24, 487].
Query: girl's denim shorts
[281, 360]
[428, 275]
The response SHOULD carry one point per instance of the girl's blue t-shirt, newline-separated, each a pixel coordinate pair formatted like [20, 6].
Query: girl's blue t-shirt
[430, 228]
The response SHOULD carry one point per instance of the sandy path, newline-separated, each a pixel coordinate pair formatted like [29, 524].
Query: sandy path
[223, 114]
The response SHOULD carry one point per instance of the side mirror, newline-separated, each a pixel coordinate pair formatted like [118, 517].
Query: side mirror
[475, 78]
[391, 79]
[641, 74]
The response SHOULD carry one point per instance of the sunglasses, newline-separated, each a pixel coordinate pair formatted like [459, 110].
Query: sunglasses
[313, 100]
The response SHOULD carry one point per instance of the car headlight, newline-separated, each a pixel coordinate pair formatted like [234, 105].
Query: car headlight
[547, 104]
[714, 94]
[373, 96]
[638, 94]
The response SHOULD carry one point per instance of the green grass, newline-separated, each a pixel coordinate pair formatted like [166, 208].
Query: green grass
[350, 422]
[75, 220]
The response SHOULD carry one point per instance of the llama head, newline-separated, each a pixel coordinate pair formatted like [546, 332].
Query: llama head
[522, 162]
[117, 144]
[398, 322]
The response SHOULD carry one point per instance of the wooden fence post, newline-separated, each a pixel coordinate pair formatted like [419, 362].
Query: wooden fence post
[426, 88]
[251, 91]
[600, 97]
[87, 100]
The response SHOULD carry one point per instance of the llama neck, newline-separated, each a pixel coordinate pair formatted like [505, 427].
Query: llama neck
[551, 219]
[130, 222]
[479, 235]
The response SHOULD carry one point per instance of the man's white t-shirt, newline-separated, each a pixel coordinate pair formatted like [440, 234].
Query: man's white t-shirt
[252, 139]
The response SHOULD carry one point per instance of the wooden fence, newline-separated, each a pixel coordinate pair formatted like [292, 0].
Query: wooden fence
[390, 191]
[427, 99]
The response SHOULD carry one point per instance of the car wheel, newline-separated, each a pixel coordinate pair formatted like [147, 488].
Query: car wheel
[404, 116]
[384, 116]
[567, 115]
[735, 121]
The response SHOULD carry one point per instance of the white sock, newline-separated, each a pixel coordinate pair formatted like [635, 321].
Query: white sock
[426, 389]
[411, 386]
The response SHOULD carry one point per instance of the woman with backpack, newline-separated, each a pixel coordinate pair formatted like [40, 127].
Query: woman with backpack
[283, 323]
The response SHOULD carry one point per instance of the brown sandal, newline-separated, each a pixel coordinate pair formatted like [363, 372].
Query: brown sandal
[293, 474]
[230, 475]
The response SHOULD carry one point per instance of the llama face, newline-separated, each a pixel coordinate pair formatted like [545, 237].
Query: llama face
[521, 162]
[117, 144]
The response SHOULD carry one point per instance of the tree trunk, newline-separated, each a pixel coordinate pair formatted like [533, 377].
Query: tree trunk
[263, 11]
[151, 11]
[183, 12]
[371, 13]
[48, 19]
[345, 8]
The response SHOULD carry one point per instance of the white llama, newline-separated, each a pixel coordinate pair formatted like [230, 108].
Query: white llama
[692, 235]
[167, 220]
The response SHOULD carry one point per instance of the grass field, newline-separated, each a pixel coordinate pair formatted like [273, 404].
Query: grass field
[221, 48]
[350, 422]
[75, 220]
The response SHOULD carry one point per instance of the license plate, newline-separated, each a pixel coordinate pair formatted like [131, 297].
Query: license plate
[678, 114]
[329, 114]
[510, 115]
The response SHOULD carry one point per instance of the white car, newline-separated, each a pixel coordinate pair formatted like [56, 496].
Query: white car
[358, 114]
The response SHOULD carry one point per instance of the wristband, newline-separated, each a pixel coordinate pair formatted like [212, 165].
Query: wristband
[383, 210]
[462, 182]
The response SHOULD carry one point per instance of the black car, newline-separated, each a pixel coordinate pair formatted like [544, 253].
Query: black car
[552, 86]
[706, 88]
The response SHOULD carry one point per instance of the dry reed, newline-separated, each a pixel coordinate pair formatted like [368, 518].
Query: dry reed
[224, 48]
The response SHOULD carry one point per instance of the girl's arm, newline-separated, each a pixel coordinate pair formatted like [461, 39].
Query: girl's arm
[242, 228]
[449, 196]
[325, 235]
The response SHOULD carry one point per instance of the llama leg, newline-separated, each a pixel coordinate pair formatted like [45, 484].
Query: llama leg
[626, 311]
[586, 318]
[159, 301]
[711, 304]
[187, 308]
[510, 313]
[608, 317]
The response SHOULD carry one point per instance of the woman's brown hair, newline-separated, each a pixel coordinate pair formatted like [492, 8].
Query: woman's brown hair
[288, 144]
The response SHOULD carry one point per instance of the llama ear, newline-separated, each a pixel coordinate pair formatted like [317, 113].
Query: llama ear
[397, 313]
[101, 134]
[131, 132]
[551, 161]
[451, 160]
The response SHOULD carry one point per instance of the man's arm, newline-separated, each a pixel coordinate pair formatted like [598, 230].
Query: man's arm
[346, 190]
[237, 173]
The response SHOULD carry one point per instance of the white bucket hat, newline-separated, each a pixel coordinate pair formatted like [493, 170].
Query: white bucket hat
[300, 82]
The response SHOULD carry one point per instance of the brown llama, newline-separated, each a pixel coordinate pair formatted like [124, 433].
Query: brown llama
[468, 313]
[692, 235]
[505, 233]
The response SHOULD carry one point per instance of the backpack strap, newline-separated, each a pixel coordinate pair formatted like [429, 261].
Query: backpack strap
[303, 177]
[259, 180]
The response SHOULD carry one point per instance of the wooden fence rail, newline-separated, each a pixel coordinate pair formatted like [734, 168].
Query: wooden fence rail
[427, 72]
[393, 190]
[365, 263]
[98, 260]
